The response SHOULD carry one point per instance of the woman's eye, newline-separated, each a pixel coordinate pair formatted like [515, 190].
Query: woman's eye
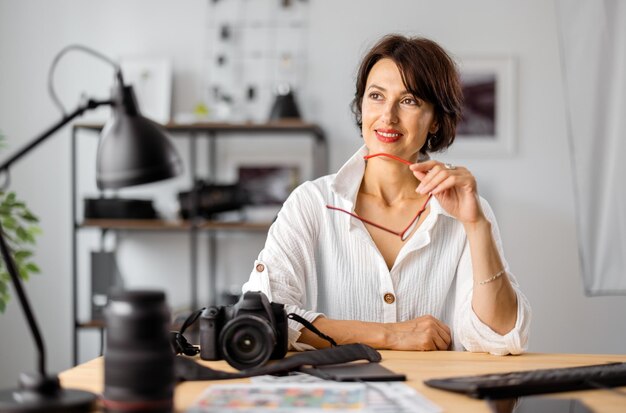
[410, 101]
[375, 95]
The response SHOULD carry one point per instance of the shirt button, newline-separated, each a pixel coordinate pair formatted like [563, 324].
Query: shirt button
[389, 298]
[260, 267]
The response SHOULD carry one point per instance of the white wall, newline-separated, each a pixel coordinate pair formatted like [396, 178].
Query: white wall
[531, 192]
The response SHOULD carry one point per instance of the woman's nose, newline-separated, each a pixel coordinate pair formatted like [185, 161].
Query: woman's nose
[390, 115]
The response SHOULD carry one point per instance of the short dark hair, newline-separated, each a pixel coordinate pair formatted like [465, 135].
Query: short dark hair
[428, 72]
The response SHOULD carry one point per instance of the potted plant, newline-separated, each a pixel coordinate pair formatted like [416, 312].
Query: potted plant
[21, 228]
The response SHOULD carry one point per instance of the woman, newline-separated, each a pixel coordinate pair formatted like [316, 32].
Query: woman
[396, 250]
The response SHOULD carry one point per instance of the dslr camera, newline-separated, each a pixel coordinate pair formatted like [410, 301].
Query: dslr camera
[246, 334]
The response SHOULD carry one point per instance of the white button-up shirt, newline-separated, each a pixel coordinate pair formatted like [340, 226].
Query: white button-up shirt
[318, 261]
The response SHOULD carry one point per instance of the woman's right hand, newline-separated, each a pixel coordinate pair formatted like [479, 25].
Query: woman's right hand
[424, 333]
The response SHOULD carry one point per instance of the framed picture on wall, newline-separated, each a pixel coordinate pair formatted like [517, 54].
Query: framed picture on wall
[151, 79]
[487, 127]
[268, 184]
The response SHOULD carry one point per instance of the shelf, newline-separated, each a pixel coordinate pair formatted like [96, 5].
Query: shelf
[100, 324]
[163, 225]
[223, 127]
[91, 324]
[214, 133]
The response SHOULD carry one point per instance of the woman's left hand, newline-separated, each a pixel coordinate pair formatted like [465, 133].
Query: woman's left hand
[454, 187]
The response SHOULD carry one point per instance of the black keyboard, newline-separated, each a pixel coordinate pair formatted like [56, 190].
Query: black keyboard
[523, 383]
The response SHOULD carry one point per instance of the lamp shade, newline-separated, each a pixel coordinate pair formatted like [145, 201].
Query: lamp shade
[133, 150]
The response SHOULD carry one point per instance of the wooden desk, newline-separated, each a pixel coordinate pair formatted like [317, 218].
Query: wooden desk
[418, 366]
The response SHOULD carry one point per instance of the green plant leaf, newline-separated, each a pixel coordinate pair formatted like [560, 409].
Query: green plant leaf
[20, 229]
[22, 254]
[32, 267]
[34, 230]
[9, 222]
[29, 217]
[10, 199]
[22, 234]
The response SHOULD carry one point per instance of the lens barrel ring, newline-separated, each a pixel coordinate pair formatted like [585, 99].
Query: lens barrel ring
[247, 341]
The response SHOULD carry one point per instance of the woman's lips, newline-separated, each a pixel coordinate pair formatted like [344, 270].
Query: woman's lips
[387, 135]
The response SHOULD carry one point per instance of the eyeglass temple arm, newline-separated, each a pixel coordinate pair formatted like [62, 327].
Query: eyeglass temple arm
[388, 155]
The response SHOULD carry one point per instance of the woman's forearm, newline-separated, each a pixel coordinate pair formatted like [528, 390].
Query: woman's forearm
[494, 301]
[422, 333]
[345, 332]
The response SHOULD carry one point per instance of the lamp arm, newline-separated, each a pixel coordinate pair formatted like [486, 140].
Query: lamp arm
[4, 247]
[19, 289]
[89, 105]
[84, 49]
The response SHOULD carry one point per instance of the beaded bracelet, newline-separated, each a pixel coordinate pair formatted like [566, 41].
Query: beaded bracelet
[495, 277]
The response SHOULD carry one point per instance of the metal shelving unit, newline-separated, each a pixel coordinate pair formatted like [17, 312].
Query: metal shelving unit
[213, 132]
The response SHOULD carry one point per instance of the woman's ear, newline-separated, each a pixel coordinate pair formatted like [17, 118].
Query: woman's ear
[434, 127]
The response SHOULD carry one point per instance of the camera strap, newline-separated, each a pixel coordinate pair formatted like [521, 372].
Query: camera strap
[311, 327]
[187, 369]
[179, 343]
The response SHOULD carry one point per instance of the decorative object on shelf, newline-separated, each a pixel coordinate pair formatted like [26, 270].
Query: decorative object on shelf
[119, 208]
[151, 79]
[487, 128]
[210, 199]
[252, 47]
[133, 150]
[284, 107]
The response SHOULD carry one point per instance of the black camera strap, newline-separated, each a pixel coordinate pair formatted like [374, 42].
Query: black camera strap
[311, 327]
[179, 343]
[187, 369]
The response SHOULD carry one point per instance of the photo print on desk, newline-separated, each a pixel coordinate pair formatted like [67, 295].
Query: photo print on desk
[487, 127]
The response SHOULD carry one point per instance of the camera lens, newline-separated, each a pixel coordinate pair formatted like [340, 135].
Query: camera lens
[247, 341]
[138, 362]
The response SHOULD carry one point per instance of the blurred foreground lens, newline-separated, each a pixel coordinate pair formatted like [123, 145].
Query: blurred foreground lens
[247, 341]
[138, 362]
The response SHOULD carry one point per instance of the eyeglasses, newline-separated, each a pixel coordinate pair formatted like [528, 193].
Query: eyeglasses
[404, 234]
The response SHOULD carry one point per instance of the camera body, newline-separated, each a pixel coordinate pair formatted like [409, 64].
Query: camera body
[246, 334]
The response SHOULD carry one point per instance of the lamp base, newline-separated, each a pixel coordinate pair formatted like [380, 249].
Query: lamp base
[44, 394]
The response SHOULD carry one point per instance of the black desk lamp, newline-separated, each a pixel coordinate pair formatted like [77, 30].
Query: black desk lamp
[133, 150]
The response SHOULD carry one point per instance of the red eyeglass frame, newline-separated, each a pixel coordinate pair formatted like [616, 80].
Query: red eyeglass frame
[404, 234]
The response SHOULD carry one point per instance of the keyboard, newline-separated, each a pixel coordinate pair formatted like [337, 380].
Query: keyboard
[524, 383]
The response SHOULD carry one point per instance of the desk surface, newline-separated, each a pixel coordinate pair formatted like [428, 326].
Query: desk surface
[418, 366]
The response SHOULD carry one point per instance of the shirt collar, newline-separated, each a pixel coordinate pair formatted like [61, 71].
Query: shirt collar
[347, 181]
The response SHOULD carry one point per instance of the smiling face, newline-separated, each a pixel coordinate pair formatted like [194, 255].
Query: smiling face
[393, 120]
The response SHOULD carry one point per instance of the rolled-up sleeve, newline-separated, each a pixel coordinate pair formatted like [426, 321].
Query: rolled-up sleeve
[287, 261]
[470, 331]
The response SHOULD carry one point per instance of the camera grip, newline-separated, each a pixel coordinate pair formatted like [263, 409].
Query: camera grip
[209, 331]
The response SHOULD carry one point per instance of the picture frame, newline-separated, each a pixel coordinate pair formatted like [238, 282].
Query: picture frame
[487, 129]
[151, 79]
[268, 184]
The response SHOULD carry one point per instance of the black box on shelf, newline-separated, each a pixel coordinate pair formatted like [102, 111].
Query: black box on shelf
[119, 208]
